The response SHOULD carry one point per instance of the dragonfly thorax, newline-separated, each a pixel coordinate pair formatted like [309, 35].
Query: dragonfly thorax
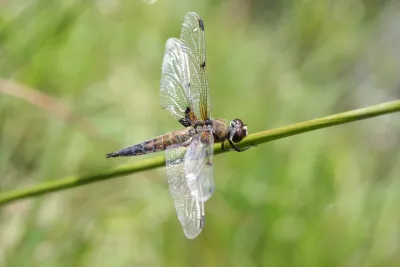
[220, 130]
[235, 131]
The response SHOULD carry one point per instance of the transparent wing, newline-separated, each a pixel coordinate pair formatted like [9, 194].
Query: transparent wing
[194, 45]
[198, 165]
[190, 211]
[175, 84]
[184, 77]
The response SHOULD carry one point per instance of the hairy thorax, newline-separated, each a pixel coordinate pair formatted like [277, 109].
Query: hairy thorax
[220, 130]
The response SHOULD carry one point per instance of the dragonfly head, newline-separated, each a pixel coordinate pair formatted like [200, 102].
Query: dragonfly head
[237, 130]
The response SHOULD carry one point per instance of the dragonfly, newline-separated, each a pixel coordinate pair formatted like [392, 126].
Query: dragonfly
[184, 92]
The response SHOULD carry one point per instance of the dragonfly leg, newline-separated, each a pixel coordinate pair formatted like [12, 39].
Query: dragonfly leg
[223, 146]
[238, 149]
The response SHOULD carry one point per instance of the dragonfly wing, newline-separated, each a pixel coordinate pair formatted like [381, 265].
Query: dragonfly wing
[189, 209]
[184, 81]
[174, 79]
[198, 165]
[194, 45]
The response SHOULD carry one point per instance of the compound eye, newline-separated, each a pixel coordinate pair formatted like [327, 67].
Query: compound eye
[239, 135]
[240, 131]
[238, 123]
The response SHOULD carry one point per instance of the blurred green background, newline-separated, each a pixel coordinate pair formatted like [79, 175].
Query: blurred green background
[81, 78]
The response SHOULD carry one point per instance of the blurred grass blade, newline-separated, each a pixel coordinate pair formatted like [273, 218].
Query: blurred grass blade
[256, 138]
[49, 104]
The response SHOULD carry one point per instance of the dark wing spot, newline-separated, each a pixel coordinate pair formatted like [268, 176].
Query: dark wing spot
[201, 25]
[203, 65]
[185, 122]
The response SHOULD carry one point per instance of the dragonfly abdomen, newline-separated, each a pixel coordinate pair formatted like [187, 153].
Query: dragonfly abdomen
[153, 145]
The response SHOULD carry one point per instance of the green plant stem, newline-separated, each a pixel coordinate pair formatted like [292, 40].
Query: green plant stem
[255, 139]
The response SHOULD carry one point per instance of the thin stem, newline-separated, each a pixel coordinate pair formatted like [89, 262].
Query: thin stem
[255, 139]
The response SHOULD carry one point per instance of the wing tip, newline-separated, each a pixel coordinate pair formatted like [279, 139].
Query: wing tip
[193, 234]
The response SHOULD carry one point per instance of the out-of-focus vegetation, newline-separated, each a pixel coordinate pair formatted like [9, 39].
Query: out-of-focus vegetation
[81, 78]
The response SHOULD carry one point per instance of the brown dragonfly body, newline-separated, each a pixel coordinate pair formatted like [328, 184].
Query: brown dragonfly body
[218, 127]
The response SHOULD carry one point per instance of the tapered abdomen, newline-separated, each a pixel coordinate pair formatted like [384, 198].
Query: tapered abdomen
[153, 145]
